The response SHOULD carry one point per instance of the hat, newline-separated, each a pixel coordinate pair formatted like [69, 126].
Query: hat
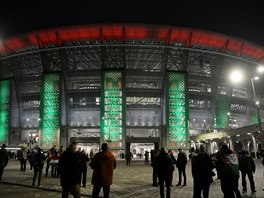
[3, 146]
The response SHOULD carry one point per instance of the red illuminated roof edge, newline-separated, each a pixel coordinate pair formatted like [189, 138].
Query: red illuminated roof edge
[126, 32]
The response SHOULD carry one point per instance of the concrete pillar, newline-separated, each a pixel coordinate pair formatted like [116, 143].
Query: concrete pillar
[254, 143]
[231, 144]
[244, 144]
[217, 146]
[214, 146]
[206, 146]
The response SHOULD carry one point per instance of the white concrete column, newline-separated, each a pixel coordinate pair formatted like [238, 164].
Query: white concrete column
[254, 144]
[231, 144]
[211, 146]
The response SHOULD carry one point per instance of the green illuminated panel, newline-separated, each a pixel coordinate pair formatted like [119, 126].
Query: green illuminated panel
[5, 90]
[254, 115]
[222, 108]
[50, 110]
[112, 109]
[177, 111]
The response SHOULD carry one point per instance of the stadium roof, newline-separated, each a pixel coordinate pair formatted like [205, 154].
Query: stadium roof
[125, 33]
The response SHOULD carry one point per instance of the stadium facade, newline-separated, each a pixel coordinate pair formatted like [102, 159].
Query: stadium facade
[125, 84]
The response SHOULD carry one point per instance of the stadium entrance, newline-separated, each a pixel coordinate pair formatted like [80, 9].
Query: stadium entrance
[138, 145]
[89, 144]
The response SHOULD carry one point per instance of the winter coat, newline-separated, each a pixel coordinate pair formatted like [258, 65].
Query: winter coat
[246, 164]
[103, 165]
[227, 164]
[39, 159]
[3, 158]
[153, 154]
[202, 167]
[181, 160]
[164, 165]
[69, 168]
[174, 161]
[84, 159]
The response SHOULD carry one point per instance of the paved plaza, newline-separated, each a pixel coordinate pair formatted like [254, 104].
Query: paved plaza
[129, 181]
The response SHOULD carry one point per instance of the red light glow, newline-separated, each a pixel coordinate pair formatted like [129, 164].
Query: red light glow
[125, 32]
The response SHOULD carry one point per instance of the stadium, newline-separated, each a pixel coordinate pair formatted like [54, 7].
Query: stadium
[131, 85]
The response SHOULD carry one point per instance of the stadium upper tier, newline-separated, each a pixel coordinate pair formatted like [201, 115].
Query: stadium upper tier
[105, 34]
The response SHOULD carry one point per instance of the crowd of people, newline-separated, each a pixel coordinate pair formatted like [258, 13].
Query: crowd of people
[226, 163]
[71, 167]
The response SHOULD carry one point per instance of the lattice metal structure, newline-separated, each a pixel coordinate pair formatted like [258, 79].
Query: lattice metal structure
[177, 111]
[50, 110]
[112, 109]
[5, 92]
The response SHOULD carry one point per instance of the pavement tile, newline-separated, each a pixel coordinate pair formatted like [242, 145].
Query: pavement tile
[129, 181]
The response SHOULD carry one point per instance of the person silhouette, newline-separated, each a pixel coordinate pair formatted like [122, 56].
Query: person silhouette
[181, 165]
[69, 172]
[39, 158]
[164, 166]
[103, 165]
[3, 160]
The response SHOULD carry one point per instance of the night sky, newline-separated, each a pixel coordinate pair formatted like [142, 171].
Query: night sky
[240, 18]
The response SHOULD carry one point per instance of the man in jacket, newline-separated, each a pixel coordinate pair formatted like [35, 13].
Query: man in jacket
[153, 155]
[3, 160]
[51, 153]
[69, 172]
[164, 166]
[181, 165]
[39, 159]
[202, 167]
[103, 165]
[22, 156]
[247, 167]
[228, 169]
[174, 161]
[84, 159]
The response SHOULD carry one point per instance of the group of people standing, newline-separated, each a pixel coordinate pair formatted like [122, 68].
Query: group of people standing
[102, 164]
[227, 164]
[73, 165]
[163, 162]
[54, 158]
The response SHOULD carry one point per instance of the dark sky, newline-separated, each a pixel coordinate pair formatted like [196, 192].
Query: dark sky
[240, 18]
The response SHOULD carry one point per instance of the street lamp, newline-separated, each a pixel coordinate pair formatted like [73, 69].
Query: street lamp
[236, 76]
[229, 120]
[260, 69]
[253, 87]
[259, 118]
[254, 99]
[205, 126]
